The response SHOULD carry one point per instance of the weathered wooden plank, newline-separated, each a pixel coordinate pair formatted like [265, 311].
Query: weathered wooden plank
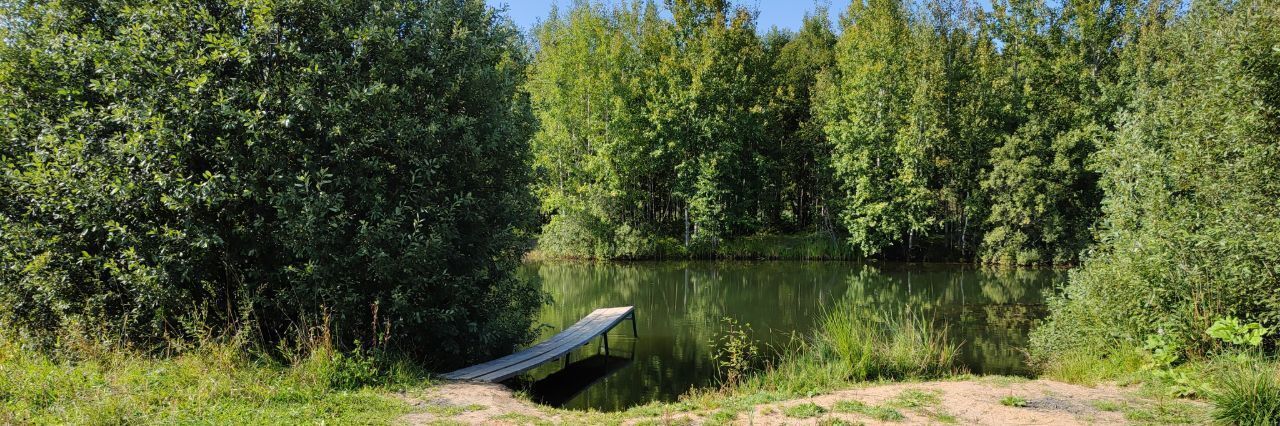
[594, 324]
[568, 345]
[556, 343]
[551, 349]
[471, 372]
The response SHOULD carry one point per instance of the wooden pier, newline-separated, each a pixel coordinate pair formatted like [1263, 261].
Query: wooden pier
[597, 323]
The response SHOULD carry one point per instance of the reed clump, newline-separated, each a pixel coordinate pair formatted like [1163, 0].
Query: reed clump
[867, 344]
[854, 344]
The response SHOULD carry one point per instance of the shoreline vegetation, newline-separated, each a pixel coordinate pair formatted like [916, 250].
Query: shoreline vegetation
[227, 381]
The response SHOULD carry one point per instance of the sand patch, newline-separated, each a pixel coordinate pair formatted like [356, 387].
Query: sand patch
[981, 401]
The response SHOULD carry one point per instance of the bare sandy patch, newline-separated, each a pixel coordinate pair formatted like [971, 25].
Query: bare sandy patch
[981, 401]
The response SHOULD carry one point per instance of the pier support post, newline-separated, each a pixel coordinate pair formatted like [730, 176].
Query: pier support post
[634, 332]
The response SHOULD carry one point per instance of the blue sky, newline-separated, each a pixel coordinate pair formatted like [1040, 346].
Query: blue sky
[782, 13]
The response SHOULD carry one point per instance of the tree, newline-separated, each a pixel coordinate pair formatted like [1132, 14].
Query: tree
[800, 180]
[886, 124]
[169, 166]
[1043, 197]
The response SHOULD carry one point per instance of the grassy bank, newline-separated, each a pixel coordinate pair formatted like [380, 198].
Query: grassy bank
[215, 382]
[1240, 382]
[226, 381]
[755, 247]
[860, 348]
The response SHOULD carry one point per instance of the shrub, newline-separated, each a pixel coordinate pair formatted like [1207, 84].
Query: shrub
[735, 351]
[167, 166]
[1191, 227]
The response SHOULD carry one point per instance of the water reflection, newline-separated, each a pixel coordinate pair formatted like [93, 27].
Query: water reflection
[560, 387]
[679, 307]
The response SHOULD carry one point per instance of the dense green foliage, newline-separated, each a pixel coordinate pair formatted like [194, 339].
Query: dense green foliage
[1191, 225]
[925, 130]
[171, 165]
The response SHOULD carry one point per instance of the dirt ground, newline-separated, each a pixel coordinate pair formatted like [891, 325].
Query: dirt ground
[981, 401]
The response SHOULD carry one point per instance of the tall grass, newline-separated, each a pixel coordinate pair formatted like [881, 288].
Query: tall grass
[854, 344]
[1122, 364]
[222, 380]
[1246, 391]
[886, 345]
[811, 246]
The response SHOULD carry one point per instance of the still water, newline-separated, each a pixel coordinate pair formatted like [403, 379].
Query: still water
[681, 307]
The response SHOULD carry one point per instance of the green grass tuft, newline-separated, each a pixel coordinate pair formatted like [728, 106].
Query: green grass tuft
[884, 345]
[1247, 393]
[881, 413]
[916, 398]
[1108, 405]
[1165, 412]
[1088, 368]
[803, 411]
[943, 417]
[1013, 401]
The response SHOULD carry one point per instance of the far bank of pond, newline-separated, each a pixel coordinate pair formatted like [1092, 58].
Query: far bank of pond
[681, 307]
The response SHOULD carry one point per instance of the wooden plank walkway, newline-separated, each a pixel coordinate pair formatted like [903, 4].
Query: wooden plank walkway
[597, 323]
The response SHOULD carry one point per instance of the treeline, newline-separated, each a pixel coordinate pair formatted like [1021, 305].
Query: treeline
[924, 130]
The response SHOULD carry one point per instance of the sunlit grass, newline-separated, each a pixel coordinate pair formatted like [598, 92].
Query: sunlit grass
[886, 345]
[881, 412]
[1121, 365]
[217, 382]
[1246, 391]
[852, 346]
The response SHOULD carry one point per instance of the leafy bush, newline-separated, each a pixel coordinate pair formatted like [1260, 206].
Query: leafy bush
[1191, 228]
[735, 351]
[168, 166]
[1230, 330]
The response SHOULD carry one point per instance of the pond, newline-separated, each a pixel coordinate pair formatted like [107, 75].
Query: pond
[681, 307]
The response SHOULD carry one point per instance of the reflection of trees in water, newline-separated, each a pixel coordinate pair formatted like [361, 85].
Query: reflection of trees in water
[680, 306]
[1018, 285]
